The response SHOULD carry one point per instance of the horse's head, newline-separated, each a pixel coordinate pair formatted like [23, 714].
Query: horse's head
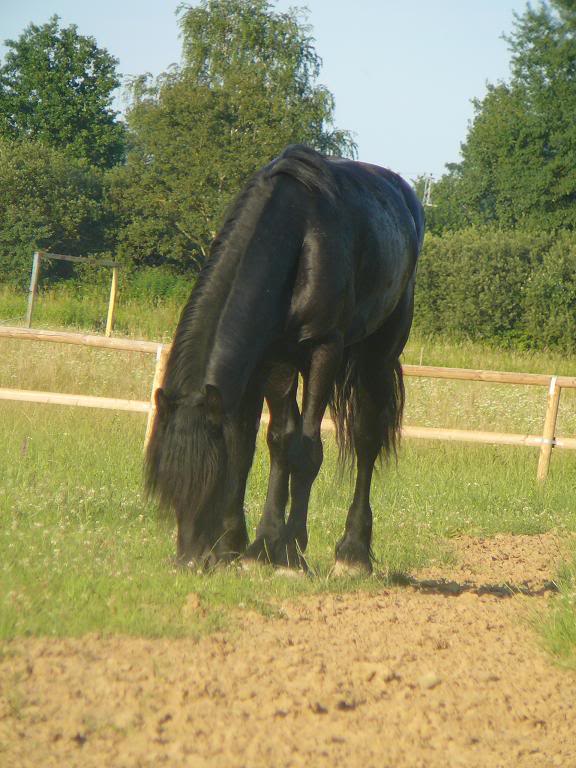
[186, 462]
[208, 402]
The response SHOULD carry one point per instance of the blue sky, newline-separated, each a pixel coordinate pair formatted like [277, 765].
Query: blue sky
[403, 73]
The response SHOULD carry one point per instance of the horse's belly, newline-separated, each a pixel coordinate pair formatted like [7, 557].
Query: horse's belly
[377, 298]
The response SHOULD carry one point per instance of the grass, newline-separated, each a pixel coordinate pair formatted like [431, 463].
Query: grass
[558, 627]
[471, 354]
[81, 550]
[63, 307]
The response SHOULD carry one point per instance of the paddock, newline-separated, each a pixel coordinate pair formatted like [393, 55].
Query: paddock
[189, 669]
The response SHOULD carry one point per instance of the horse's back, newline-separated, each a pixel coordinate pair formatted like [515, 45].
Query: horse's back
[388, 189]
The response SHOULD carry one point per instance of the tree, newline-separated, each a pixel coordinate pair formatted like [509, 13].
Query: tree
[56, 87]
[267, 64]
[543, 48]
[48, 201]
[246, 88]
[520, 152]
[447, 211]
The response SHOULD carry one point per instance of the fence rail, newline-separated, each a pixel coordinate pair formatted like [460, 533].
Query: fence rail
[489, 377]
[81, 339]
[86, 401]
[546, 441]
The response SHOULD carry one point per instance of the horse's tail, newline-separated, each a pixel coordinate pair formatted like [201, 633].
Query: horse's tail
[387, 392]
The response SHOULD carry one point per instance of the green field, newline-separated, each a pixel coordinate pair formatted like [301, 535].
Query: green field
[81, 550]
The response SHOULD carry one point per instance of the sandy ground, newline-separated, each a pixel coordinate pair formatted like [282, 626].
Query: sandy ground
[444, 672]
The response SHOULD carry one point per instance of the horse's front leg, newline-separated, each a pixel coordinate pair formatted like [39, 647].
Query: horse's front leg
[194, 545]
[282, 438]
[241, 433]
[324, 360]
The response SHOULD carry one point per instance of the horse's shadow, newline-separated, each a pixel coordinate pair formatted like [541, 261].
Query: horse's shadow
[449, 588]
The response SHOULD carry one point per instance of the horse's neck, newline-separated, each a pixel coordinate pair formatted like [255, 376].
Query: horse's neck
[254, 313]
[253, 317]
[241, 306]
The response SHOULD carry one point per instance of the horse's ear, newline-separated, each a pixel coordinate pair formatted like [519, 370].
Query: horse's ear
[214, 405]
[162, 403]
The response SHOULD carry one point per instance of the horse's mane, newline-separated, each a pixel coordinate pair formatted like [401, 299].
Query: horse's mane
[201, 311]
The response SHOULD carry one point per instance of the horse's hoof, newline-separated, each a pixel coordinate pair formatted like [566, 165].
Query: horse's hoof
[191, 565]
[293, 571]
[344, 569]
[289, 573]
[252, 565]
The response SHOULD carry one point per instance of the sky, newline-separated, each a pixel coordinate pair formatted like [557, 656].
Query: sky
[403, 74]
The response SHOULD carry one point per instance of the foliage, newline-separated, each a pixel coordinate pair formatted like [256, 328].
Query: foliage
[474, 283]
[267, 64]
[157, 285]
[520, 152]
[551, 298]
[246, 88]
[48, 201]
[488, 270]
[56, 87]
[447, 211]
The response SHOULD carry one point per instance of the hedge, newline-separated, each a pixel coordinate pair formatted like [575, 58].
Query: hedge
[509, 287]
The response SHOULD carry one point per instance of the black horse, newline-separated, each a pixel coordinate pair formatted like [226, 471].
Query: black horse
[312, 273]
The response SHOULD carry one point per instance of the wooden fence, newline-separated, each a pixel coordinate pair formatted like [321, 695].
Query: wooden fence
[35, 276]
[546, 441]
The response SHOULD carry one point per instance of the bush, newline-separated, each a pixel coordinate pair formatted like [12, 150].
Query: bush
[551, 298]
[474, 283]
[158, 284]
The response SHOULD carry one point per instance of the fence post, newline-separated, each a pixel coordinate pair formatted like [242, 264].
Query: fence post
[161, 359]
[112, 302]
[33, 286]
[552, 402]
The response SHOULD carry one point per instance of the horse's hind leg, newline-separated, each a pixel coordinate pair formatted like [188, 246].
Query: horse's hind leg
[353, 549]
[283, 439]
[379, 398]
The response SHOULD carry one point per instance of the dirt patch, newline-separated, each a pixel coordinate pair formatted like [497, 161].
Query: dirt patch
[412, 676]
[502, 565]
